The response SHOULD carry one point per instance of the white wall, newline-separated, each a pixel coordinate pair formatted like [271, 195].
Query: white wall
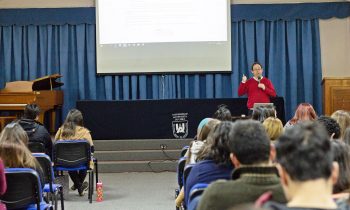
[334, 33]
[335, 47]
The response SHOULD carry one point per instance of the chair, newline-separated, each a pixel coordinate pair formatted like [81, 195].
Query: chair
[95, 161]
[73, 155]
[49, 187]
[195, 194]
[187, 171]
[36, 147]
[184, 150]
[180, 170]
[23, 190]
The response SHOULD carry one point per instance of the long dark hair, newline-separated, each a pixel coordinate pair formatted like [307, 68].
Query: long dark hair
[341, 154]
[74, 118]
[217, 148]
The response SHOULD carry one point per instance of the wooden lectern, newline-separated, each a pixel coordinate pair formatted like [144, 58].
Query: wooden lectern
[336, 94]
[16, 95]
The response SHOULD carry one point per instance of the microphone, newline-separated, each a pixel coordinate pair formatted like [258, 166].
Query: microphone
[259, 78]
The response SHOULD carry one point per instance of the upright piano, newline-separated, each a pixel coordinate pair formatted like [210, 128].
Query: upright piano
[16, 95]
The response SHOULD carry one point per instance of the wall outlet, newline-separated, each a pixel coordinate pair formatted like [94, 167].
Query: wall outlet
[163, 146]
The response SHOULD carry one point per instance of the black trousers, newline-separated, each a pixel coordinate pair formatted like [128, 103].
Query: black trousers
[78, 177]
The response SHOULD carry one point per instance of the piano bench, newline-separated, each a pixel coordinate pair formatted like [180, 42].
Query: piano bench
[4, 120]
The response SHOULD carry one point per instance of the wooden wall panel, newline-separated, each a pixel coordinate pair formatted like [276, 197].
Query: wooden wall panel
[336, 94]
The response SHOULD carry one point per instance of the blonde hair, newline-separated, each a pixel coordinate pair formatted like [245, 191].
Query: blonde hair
[13, 148]
[273, 127]
[343, 119]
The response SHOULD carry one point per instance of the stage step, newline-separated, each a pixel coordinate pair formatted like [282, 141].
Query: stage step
[141, 155]
[136, 166]
[139, 144]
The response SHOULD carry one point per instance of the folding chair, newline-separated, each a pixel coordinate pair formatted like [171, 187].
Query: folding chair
[184, 150]
[95, 161]
[36, 147]
[23, 190]
[50, 188]
[187, 171]
[74, 155]
[180, 169]
[195, 194]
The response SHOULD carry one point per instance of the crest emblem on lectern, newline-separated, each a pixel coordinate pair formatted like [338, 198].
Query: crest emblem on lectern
[180, 125]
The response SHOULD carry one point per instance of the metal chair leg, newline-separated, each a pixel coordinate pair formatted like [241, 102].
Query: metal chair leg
[61, 195]
[96, 169]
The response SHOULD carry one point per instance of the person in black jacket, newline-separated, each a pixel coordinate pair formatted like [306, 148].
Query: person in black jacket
[35, 130]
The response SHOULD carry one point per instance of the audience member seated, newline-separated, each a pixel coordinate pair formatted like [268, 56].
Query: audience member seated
[203, 132]
[306, 168]
[261, 113]
[304, 112]
[14, 151]
[213, 159]
[332, 127]
[35, 130]
[3, 184]
[343, 119]
[223, 113]
[273, 127]
[341, 155]
[73, 129]
[204, 127]
[254, 174]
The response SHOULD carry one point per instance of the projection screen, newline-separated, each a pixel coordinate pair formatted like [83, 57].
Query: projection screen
[163, 36]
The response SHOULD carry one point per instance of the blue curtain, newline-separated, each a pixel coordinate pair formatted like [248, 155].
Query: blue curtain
[288, 50]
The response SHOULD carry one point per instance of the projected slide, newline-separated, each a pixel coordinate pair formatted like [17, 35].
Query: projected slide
[163, 36]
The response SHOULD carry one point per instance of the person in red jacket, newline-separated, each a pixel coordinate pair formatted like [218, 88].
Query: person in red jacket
[258, 88]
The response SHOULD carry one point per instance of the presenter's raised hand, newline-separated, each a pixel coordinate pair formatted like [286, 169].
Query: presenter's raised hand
[261, 85]
[244, 78]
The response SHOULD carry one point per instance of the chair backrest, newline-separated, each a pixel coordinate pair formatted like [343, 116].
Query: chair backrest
[187, 171]
[195, 194]
[72, 154]
[23, 188]
[180, 170]
[184, 150]
[36, 147]
[197, 190]
[46, 165]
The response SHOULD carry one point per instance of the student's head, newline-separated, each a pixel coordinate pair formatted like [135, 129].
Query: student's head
[304, 154]
[31, 111]
[74, 118]
[346, 137]
[256, 69]
[331, 126]
[304, 112]
[201, 125]
[13, 147]
[249, 143]
[210, 125]
[341, 154]
[343, 119]
[260, 113]
[223, 113]
[216, 147]
[273, 127]
[13, 132]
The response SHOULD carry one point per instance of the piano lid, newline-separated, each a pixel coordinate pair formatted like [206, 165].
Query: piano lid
[43, 83]
[47, 82]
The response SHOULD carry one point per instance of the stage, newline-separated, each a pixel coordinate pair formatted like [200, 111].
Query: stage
[157, 119]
